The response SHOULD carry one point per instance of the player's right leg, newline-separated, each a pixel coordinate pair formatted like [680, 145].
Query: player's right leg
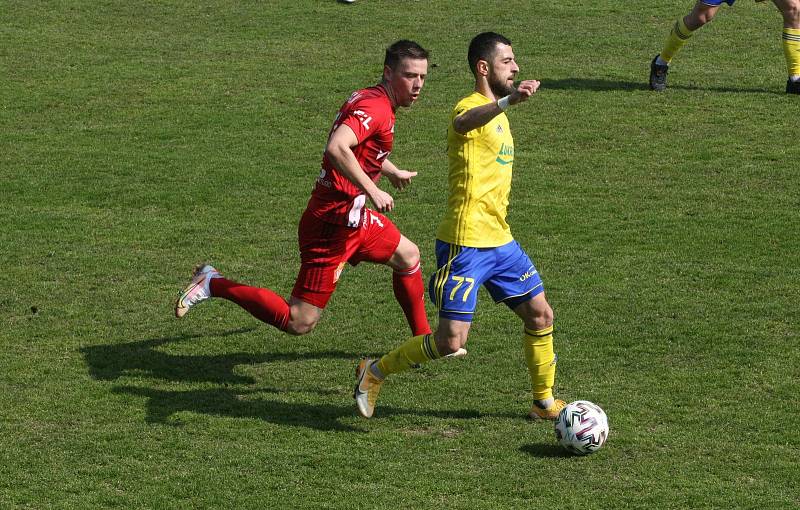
[703, 12]
[447, 342]
[303, 317]
[197, 290]
[323, 252]
[207, 282]
[296, 317]
[454, 289]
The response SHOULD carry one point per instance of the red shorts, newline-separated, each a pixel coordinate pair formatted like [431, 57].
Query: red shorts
[325, 248]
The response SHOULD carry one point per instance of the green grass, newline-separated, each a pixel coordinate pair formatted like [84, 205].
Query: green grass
[138, 138]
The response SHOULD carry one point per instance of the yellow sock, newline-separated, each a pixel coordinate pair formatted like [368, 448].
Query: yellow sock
[416, 350]
[677, 37]
[541, 361]
[791, 48]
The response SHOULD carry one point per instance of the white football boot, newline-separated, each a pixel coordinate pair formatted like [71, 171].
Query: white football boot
[198, 289]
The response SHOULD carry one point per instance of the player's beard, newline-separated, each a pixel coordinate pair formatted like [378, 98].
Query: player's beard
[500, 87]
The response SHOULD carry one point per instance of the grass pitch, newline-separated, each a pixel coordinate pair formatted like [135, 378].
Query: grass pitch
[138, 138]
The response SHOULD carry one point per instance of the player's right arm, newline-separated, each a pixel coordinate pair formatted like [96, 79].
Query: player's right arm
[340, 152]
[481, 115]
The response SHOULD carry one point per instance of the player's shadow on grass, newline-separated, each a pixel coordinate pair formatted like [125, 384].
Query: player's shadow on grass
[594, 84]
[600, 85]
[545, 450]
[164, 406]
[735, 90]
[144, 359]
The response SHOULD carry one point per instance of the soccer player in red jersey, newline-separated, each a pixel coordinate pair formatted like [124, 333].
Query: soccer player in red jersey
[337, 228]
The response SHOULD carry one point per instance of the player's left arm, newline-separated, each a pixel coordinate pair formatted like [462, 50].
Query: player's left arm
[399, 178]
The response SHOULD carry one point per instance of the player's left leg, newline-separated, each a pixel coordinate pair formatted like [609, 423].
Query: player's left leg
[517, 284]
[540, 356]
[383, 243]
[409, 289]
[790, 9]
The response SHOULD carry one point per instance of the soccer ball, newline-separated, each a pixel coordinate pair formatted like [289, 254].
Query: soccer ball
[581, 427]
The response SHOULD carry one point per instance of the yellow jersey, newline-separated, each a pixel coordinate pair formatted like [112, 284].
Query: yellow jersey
[479, 176]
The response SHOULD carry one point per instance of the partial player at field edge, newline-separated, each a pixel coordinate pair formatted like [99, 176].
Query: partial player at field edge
[703, 12]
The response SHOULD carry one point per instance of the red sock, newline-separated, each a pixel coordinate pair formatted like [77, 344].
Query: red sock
[410, 293]
[263, 304]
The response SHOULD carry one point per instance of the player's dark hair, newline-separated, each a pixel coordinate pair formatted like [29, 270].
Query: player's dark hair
[403, 49]
[482, 47]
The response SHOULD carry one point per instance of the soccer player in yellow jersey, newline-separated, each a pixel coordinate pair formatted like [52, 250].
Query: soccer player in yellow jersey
[474, 244]
[703, 12]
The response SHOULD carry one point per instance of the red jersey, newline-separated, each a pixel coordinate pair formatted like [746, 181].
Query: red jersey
[369, 113]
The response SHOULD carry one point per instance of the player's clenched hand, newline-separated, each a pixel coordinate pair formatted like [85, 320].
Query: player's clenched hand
[401, 178]
[525, 89]
[382, 201]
